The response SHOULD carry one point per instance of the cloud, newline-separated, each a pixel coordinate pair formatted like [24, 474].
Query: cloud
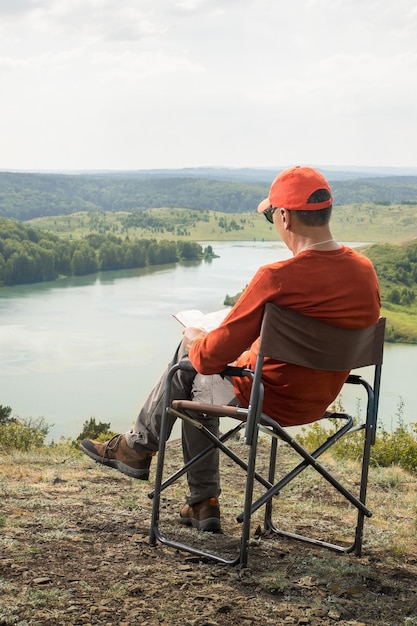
[16, 7]
[137, 83]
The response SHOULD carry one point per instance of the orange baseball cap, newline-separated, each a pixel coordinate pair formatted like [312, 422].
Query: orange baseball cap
[293, 187]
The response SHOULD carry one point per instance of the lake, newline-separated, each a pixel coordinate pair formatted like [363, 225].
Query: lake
[94, 346]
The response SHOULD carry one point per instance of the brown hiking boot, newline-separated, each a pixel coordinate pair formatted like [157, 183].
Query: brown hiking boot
[204, 515]
[116, 453]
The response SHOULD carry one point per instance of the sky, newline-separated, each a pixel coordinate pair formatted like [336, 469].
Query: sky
[144, 84]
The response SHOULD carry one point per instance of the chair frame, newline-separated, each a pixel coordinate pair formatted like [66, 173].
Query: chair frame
[288, 336]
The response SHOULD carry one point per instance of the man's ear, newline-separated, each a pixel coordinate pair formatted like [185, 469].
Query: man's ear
[285, 216]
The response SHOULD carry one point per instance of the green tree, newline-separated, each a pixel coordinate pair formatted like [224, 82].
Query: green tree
[168, 252]
[84, 260]
[109, 256]
[10, 246]
[189, 250]
[20, 269]
[92, 430]
[45, 261]
[2, 268]
[407, 297]
[134, 254]
[394, 296]
[5, 412]
[63, 259]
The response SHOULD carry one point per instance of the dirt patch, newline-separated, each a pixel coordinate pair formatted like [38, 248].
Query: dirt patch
[75, 550]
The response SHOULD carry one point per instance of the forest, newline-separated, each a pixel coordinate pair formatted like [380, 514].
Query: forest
[25, 196]
[29, 255]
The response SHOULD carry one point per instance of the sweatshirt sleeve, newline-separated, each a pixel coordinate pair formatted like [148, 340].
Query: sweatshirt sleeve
[237, 332]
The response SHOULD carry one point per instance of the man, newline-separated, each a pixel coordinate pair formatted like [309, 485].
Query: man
[323, 279]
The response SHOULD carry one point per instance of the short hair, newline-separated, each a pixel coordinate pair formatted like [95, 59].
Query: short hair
[320, 217]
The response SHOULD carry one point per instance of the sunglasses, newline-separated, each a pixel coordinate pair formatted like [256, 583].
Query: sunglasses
[269, 212]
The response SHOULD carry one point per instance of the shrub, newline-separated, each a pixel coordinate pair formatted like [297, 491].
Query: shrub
[23, 434]
[92, 430]
[398, 447]
[5, 412]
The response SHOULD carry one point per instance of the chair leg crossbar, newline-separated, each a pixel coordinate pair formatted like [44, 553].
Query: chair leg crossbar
[216, 442]
[310, 460]
[271, 488]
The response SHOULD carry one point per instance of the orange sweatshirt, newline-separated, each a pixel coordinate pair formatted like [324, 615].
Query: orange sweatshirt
[339, 287]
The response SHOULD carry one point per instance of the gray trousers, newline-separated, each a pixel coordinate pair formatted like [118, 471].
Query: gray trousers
[203, 478]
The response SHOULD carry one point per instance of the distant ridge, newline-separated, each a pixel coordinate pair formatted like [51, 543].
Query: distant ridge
[27, 195]
[232, 174]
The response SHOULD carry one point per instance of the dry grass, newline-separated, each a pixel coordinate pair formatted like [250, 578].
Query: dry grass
[74, 550]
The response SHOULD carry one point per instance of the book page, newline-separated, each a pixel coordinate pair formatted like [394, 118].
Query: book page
[208, 321]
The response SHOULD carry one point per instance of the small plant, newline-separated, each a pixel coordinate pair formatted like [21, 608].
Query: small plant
[117, 591]
[398, 447]
[275, 582]
[5, 412]
[92, 430]
[23, 434]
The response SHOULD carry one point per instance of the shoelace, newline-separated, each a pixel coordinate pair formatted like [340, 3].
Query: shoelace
[110, 445]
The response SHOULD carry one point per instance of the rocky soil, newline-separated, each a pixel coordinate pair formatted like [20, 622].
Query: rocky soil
[75, 551]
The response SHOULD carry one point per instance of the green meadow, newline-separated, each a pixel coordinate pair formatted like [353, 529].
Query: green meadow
[371, 223]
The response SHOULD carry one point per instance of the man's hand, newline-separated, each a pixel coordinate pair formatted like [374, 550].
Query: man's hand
[190, 333]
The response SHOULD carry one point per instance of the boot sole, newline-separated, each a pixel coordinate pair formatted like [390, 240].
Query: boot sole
[139, 474]
[209, 525]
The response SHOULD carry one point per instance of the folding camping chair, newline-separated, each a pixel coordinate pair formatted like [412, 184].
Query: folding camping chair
[287, 336]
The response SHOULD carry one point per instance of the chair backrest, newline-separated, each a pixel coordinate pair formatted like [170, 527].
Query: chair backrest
[289, 336]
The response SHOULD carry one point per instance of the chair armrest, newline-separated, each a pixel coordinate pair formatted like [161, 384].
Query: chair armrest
[230, 370]
[217, 410]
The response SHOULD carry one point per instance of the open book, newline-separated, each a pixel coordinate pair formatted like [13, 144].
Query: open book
[198, 319]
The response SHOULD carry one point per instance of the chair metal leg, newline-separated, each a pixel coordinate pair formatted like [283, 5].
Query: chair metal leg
[157, 486]
[271, 478]
[252, 475]
[247, 512]
[359, 503]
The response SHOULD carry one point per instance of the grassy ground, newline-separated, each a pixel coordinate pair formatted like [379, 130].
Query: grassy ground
[74, 551]
[401, 321]
[366, 222]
